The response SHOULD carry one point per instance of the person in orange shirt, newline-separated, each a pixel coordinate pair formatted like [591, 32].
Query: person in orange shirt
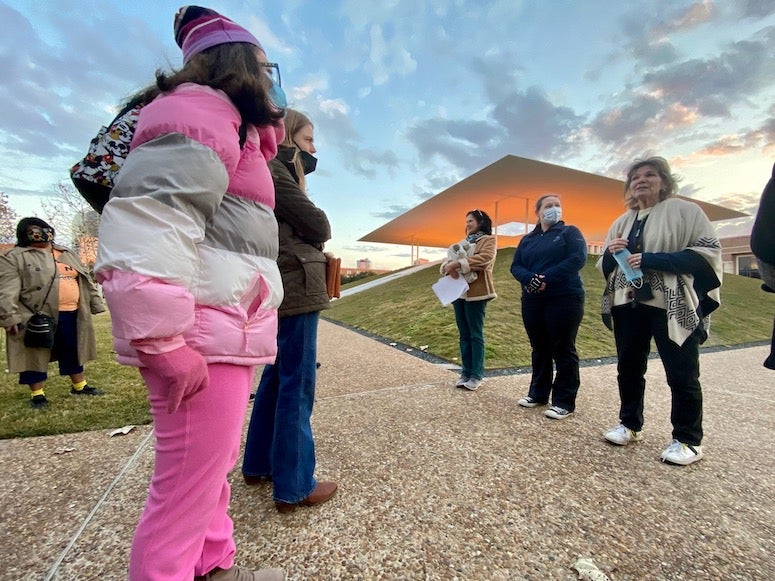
[39, 276]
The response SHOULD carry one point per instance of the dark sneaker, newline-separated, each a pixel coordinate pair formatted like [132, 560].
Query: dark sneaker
[38, 401]
[529, 402]
[87, 390]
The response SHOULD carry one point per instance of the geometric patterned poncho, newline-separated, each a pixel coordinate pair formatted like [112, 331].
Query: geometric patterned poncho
[688, 299]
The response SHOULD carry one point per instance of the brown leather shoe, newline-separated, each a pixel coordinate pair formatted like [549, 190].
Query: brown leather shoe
[323, 492]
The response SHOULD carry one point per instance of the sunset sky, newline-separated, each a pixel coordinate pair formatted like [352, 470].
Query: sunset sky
[410, 96]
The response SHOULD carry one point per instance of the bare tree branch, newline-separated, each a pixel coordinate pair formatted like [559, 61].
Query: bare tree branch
[8, 220]
[75, 222]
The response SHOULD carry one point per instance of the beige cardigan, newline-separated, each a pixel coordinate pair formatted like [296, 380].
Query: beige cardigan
[481, 262]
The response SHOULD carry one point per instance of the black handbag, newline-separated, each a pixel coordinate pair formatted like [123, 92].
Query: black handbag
[41, 329]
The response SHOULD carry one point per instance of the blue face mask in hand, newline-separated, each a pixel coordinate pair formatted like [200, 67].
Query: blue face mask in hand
[552, 215]
[633, 275]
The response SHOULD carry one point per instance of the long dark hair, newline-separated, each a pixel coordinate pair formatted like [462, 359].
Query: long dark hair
[484, 221]
[234, 69]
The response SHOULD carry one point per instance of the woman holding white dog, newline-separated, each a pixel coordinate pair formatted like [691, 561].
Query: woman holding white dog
[470, 308]
[547, 264]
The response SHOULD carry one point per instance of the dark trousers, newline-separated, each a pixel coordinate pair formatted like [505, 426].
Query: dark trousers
[551, 324]
[634, 328]
[65, 350]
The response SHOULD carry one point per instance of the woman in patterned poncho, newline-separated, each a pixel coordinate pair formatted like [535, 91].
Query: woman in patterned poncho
[675, 246]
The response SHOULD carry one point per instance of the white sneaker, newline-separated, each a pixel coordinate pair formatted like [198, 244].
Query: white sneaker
[682, 454]
[621, 435]
[557, 413]
[461, 381]
[528, 402]
[472, 384]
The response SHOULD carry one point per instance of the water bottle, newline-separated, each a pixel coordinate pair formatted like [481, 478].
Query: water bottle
[630, 273]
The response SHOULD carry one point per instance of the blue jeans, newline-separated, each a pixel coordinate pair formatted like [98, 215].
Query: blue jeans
[279, 443]
[469, 316]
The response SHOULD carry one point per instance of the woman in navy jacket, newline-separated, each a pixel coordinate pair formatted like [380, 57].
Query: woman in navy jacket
[547, 264]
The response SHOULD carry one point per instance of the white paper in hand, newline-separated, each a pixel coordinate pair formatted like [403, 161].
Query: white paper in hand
[450, 289]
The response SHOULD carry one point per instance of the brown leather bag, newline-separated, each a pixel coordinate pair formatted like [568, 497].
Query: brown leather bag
[333, 276]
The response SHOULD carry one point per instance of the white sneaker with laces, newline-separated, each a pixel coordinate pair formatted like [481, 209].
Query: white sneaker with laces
[557, 413]
[621, 435]
[461, 381]
[528, 402]
[681, 454]
[472, 384]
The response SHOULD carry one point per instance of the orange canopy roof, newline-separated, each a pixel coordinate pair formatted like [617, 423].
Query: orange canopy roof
[507, 190]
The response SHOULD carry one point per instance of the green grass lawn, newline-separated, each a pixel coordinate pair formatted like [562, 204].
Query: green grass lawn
[407, 311]
[124, 401]
[404, 310]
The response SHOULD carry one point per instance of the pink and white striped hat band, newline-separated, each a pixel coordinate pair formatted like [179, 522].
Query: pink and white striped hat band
[197, 29]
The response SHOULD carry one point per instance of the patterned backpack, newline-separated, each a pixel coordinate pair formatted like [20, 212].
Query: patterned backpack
[95, 175]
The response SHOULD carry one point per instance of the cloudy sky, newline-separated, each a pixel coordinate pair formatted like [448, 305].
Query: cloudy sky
[410, 96]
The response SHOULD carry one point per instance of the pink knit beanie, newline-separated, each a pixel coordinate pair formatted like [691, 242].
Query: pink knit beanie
[197, 29]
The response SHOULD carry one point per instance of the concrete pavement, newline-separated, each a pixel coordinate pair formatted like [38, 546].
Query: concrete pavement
[441, 483]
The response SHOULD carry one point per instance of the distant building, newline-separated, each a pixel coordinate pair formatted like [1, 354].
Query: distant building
[737, 257]
[362, 265]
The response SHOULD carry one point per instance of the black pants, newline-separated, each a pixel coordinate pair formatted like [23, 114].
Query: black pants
[634, 328]
[552, 324]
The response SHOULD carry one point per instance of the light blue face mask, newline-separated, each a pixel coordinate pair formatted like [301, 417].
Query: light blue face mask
[633, 275]
[277, 96]
[552, 215]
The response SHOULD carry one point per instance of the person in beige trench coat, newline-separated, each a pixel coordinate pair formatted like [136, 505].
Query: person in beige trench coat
[27, 272]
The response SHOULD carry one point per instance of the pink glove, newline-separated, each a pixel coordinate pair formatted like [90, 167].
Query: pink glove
[184, 370]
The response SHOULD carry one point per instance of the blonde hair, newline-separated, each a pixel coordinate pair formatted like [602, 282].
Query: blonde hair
[669, 180]
[295, 122]
[540, 201]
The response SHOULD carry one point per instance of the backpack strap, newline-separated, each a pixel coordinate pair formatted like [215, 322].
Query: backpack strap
[243, 134]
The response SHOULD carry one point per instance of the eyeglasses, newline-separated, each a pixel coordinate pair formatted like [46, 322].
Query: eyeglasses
[272, 71]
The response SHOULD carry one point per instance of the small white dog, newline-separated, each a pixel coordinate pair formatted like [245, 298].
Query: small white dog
[463, 250]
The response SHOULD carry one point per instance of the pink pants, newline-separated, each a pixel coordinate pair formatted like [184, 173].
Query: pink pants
[184, 530]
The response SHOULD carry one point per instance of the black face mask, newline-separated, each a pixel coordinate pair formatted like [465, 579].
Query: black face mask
[308, 161]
